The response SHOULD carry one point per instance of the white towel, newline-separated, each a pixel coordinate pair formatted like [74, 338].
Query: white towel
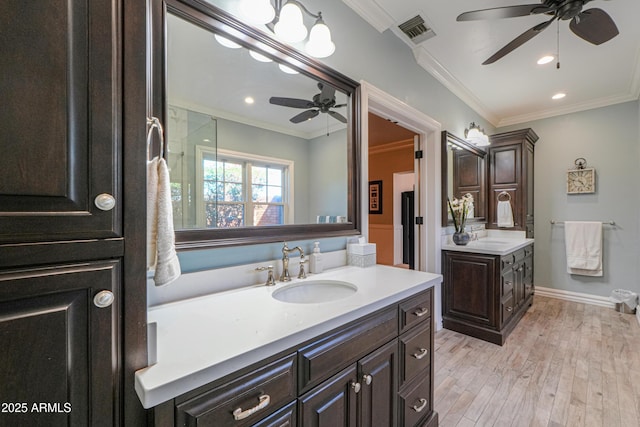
[161, 244]
[583, 240]
[505, 214]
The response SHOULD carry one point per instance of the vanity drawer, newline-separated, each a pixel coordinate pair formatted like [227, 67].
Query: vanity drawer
[415, 310]
[338, 349]
[414, 351]
[507, 283]
[415, 400]
[507, 309]
[242, 401]
[507, 261]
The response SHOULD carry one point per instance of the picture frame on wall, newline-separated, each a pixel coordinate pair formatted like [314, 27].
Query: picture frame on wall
[581, 181]
[375, 197]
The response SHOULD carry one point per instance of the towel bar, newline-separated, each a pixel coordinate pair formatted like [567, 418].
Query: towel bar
[604, 222]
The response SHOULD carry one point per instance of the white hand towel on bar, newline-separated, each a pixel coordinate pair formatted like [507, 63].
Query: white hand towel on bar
[583, 240]
[505, 214]
[162, 251]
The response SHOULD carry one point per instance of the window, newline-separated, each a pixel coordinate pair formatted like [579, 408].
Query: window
[239, 189]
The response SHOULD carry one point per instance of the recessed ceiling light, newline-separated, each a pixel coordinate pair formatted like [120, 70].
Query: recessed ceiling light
[559, 95]
[259, 57]
[545, 59]
[226, 42]
[249, 100]
[286, 69]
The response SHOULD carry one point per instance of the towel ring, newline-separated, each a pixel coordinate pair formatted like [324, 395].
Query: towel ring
[154, 123]
[504, 193]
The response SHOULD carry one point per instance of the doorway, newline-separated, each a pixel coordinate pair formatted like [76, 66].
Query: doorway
[391, 168]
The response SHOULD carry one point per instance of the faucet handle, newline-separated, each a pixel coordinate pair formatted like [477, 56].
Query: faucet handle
[270, 279]
[302, 274]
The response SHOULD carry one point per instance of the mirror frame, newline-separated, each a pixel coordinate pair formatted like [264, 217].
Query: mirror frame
[216, 20]
[449, 138]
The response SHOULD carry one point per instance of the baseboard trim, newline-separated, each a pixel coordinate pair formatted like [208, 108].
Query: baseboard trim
[575, 297]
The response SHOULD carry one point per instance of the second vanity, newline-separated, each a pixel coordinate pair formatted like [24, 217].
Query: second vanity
[245, 357]
[488, 285]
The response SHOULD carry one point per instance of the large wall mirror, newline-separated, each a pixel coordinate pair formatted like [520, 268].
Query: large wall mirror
[262, 142]
[463, 171]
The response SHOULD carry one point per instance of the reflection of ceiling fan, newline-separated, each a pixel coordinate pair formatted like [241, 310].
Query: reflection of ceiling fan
[322, 103]
[593, 25]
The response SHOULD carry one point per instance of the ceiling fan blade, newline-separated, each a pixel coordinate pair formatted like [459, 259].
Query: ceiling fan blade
[594, 25]
[291, 102]
[338, 116]
[339, 106]
[505, 12]
[327, 92]
[305, 115]
[519, 41]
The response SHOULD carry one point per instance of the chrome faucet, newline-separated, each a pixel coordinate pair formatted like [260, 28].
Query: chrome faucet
[285, 277]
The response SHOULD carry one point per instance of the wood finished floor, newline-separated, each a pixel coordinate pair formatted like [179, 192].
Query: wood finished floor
[565, 364]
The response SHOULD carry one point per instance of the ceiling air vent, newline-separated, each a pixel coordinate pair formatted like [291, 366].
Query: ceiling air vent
[416, 29]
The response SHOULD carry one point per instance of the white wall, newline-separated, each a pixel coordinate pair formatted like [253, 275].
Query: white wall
[609, 139]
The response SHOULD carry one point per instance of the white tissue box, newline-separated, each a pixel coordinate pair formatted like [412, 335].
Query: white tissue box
[361, 254]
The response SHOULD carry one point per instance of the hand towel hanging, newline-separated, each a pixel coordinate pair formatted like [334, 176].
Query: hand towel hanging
[583, 240]
[167, 263]
[504, 214]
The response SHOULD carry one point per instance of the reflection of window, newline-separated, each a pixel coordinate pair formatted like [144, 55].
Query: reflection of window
[238, 189]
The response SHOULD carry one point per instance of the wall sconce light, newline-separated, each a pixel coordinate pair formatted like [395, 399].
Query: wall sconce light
[285, 19]
[476, 136]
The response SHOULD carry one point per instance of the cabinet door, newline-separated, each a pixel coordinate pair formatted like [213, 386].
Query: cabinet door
[505, 163]
[58, 362]
[332, 403]
[378, 375]
[59, 119]
[469, 287]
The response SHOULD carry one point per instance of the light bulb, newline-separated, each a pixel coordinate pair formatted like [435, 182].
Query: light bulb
[257, 11]
[226, 42]
[320, 44]
[289, 26]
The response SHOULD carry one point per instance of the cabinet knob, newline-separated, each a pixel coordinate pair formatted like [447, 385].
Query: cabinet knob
[366, 378]
[105, 202]
[103, 299]
[421, 406]
[355, 386]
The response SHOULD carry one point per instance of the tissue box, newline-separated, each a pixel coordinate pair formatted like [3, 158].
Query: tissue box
[361, 254]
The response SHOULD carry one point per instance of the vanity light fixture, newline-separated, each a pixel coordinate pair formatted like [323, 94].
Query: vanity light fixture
[476, 136]
[287, 23]
[559, 95]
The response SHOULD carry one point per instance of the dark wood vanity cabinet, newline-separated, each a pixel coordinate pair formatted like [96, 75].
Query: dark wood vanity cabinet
[373, 372]
[486, 295]
[510, 175]
[63, 139]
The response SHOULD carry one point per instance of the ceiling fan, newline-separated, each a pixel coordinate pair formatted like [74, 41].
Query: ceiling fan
[593, 25]
[322, 102]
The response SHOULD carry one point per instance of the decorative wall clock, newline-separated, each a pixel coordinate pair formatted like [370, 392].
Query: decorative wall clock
[582, 179]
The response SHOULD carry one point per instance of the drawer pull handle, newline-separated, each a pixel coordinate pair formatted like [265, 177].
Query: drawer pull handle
[239, 414]
[355, 386]
[506, 282]
[367, 379]
[423, 404]
[421, 312]
[509, 309]
[423, 353]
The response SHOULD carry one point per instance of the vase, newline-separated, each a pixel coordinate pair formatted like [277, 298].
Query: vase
[461, 238]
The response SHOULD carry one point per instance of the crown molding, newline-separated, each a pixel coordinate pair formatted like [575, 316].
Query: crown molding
[437, 70]
[371, 12]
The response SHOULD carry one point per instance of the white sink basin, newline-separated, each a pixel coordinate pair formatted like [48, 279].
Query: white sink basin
[315, 291]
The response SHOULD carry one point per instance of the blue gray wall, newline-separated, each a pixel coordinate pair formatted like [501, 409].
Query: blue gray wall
[609, 139]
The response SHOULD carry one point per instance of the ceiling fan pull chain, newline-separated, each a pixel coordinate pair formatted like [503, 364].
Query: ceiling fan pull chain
[558, 45]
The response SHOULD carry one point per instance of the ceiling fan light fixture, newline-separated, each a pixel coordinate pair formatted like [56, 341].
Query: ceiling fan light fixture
[290, 27]
[476, 136]
[258, 11]
[546, 59]
[559, 95]
[320, 44]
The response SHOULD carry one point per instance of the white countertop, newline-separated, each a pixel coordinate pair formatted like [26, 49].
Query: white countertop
[490, 245]
[203, 339]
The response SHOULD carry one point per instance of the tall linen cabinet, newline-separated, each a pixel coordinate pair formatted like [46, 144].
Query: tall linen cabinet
[72, 212]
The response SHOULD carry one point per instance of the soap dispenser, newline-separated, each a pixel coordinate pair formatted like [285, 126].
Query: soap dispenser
[315, 259]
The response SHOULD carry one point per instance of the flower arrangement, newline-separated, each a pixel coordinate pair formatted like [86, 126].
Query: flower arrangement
[459, 210]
